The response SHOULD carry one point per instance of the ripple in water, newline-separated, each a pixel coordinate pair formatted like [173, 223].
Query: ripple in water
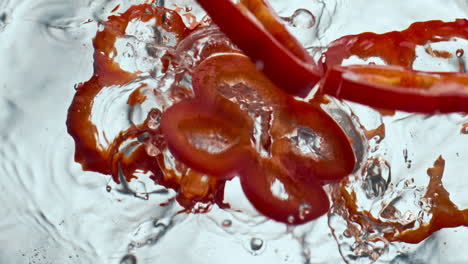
[54, 212]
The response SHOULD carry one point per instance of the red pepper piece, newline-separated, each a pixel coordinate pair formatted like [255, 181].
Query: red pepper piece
[276, 52]
[320, 147]
[399, 88]
[222, 75]
[210, 138]
[217, 76]
[276, 194]
[395, 47]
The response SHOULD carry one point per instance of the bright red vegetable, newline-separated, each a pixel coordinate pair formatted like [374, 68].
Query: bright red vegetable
[210, 138]
[276, 193]
[212, 134]
[225, 84]
[257, 32]
[328, 154]
[265, 40]
[399, 88]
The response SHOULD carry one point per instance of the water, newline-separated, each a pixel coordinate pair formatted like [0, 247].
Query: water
[54, 212]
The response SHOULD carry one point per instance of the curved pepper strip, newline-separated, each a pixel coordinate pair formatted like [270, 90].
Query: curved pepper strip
[277, 194]
[187, 124]
[282, 64]
[215, 76]
[277, 53]
[394, 47]
[220, 75]
[399, 88]
[328, 153]
[274, 185]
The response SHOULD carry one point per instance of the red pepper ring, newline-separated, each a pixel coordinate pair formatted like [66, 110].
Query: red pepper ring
[269, 53]
[277, 195]
[336, 158]
[213, 139]
[272, 23]
[219, 73]
[399, 88]
[320, 146]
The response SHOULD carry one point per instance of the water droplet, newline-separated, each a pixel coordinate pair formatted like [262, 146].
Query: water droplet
[131, 246]
[377, 176]
[256, 243]
[304, 210]
[308, 142]
[226, 223]
[154, 117]
[302, 18]
[460, 53]
[129, 259]
[152, 150]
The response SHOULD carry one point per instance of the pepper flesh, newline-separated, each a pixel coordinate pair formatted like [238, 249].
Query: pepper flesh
[278, 54]
[224, 83]
[281, 60]
[399, 88]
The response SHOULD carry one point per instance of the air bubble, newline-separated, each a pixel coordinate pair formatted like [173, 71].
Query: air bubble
[302, 18]
[256, 243]
[108, 188]
[291, 219]
[152, 150]
[226, 223]
[304, 210]
[459, 53]
[308, 142]
[377, 176]
[154, 118]
[131, 246]
[129, 259]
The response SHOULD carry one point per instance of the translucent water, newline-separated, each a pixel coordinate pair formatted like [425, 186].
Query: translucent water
[53, 212]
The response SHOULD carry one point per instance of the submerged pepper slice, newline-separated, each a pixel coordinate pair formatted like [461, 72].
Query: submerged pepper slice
[285, 185]
[277, 194]
[278, 54]
[319, 146]
[210, 138]
[398, 88]
[254, 28]
[328, 156]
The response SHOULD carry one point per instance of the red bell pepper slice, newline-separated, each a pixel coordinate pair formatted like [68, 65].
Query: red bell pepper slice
[258, 33]
[218, 74]
[265, 40]
[275, 193]
[394, 47]
[399, 88]
[210, 138]
[320, 147]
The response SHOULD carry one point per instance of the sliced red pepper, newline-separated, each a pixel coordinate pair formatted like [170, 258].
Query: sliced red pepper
[221, 131]
[328, 154]
[395, 47]
[276, 52]
[218, 75]
[266, 42]
[275, 193]
[399, 88]
[222, 75]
